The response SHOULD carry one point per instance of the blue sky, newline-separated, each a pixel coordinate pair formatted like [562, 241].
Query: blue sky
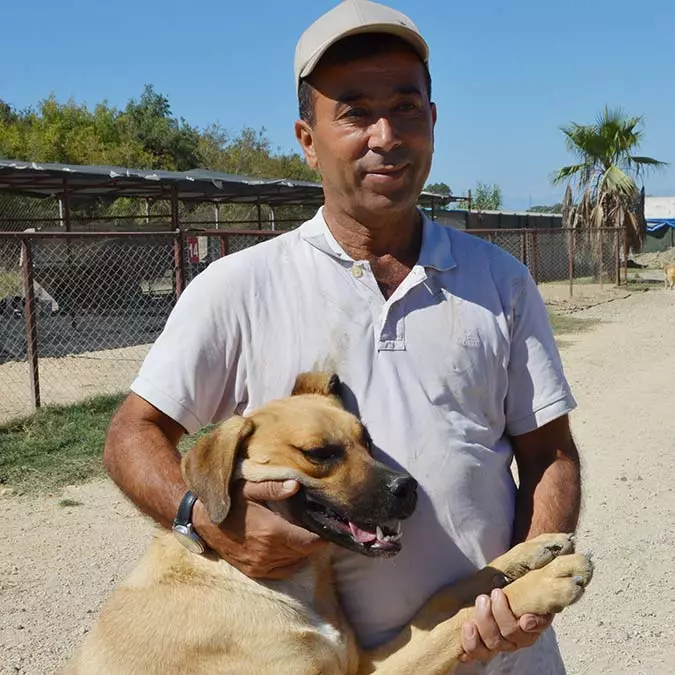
[506, 74]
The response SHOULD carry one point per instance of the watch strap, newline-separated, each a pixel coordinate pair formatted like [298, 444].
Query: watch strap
[184, 513]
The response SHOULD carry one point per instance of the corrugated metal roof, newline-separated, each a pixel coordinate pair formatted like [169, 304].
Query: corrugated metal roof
[39, 179]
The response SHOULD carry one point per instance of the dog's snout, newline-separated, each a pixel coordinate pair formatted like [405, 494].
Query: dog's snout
[403, 488]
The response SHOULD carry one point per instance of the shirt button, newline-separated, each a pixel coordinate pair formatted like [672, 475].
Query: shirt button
[357, 271]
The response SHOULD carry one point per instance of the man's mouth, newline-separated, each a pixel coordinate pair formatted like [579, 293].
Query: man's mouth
[387, 173]
[383, 537]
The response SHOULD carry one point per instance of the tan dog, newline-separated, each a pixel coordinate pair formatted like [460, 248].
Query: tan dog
[669, 275]
[182, 613]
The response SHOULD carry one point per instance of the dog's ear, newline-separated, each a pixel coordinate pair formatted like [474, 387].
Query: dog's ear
[209, 464]
[318, 382]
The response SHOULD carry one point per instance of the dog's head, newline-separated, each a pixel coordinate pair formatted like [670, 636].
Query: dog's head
[346, 496]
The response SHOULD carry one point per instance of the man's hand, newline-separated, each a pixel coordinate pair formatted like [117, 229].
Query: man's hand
[257, 541]
[254, 539]
[495, 629]
[548, 499]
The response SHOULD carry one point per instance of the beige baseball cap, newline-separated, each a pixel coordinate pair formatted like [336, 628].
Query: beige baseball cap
[351, 17]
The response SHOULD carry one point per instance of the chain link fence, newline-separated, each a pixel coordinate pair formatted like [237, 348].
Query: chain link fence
[557, 255]
[19, 214]
[79, 310]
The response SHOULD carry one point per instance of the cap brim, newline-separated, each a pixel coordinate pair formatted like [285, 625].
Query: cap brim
[410, 36]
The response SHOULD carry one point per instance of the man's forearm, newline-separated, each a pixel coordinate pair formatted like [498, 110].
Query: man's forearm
[549, 498]
[145, 464]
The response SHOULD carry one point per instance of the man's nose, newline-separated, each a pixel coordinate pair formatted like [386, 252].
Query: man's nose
[383, 135]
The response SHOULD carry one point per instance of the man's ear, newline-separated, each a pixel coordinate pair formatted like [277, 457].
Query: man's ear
[209, 464]
[318, 382]
[303, 132]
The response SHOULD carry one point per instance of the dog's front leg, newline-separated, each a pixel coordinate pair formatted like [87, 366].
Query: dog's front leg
[431, 643]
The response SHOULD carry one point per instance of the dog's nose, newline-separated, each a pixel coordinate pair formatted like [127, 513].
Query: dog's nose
[403, 488]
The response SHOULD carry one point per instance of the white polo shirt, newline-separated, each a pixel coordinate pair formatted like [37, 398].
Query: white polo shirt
[460, 355]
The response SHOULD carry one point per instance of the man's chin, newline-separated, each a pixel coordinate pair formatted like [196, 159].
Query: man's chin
[390, 202]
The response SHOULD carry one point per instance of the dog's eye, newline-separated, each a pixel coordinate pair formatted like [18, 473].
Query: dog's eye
[326, 453]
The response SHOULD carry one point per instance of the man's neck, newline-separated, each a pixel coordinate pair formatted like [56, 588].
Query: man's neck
[396, 237]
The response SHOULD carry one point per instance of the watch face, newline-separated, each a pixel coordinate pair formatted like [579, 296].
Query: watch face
[189, 541]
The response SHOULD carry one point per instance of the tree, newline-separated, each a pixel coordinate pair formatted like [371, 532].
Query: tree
[484, 197]
[554, 208]
[170, 143]
[144, 135]
[439, 189]
[607, 171]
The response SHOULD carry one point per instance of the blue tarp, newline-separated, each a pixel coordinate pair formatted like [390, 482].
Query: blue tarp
[659, 226]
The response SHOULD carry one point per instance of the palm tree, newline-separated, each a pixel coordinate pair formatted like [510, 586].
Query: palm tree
[607, 172]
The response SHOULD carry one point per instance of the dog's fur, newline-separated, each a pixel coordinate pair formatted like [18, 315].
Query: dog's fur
[179, 612]
[669, 276]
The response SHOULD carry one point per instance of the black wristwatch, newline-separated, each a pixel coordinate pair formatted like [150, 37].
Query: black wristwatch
[183, 529]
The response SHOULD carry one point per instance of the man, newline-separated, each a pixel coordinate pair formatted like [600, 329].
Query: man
[442, 340]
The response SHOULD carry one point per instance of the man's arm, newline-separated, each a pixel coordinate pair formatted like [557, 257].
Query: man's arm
[142, 458]
[548, 500]
[549, 476]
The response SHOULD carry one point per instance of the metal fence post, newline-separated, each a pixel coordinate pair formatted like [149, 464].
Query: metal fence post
[179, 262]
[534, 257]
[570, 249]
[31, 320]
[601, 256]
[224, 245]
[625, 255]
[617, 258]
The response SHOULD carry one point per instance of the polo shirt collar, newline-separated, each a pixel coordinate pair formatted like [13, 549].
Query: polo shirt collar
[435, 252]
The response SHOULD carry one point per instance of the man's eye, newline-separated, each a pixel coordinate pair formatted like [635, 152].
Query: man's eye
[326, 453]
[357, 113]
[406, 107]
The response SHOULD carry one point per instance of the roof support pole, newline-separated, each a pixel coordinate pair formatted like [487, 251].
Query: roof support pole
[31, 320]
[69, 253]
[66, 204]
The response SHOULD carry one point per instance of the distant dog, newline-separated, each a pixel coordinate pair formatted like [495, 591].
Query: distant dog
[669, 275]
[183, 613]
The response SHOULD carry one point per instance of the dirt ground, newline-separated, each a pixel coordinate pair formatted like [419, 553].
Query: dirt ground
[57, 563]
[68, 379]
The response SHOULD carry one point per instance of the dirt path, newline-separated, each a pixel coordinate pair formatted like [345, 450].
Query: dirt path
[57, 563]
[622, 373]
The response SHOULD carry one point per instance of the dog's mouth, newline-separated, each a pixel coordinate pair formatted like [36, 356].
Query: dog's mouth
[372, 539]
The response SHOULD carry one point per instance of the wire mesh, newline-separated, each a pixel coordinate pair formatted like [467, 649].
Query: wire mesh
[101, 299]
[557, 255]
[99, 304]
[18, 213]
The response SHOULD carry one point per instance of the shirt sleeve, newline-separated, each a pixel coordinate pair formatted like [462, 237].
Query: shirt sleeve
[538, 391]
[194, 372]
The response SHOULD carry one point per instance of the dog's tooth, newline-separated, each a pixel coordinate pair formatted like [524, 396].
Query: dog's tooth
[398, 527]
[379, 533]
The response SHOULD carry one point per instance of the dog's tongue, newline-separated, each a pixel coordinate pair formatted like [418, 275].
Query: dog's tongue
[362, 536]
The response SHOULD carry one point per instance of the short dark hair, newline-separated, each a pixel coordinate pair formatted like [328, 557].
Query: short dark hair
[349, 49]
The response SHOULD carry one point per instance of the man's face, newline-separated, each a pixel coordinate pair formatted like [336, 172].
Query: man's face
[372, 136]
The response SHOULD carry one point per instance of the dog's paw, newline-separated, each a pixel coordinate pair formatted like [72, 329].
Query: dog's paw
[551, 588]
[535, 554]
